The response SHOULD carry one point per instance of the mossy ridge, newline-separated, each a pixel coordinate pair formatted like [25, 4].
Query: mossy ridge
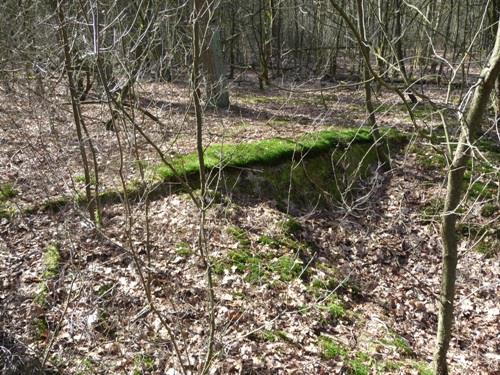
[269, 151]
[51, 261]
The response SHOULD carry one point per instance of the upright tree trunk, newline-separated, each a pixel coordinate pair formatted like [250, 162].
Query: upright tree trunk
[470, 126]
[211, 55]
[76, 108]
[367, 77]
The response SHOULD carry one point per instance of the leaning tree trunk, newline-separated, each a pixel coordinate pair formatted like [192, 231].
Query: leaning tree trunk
[470, 126]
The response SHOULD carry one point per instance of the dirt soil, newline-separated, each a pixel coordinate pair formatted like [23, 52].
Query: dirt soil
[364, 300]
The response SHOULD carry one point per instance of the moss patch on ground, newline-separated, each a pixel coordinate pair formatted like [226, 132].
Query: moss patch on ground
[266, 152]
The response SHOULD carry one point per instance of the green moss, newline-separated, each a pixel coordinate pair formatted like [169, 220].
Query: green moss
[482, 190]
[41, 295]
[183, 249]
[245, 262]
[6, 212]
[287, 268]
[266, 152]
[358, 367]
[399, 343]
[423, 368]
[489, 247]
[272, 336]
[489, 209]
[7, 191]
[55, 204]
[269, 241]
[40, 328]
[330, 349]
[291, 226]
[335, 307]
[51, 261]
[239, 235]
[143, 363]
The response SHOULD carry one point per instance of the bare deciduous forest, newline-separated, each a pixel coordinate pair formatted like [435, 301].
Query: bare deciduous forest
[249, 187]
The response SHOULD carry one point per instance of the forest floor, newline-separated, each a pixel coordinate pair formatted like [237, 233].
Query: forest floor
[349, 289]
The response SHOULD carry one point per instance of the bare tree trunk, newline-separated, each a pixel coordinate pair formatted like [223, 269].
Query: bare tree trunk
[202, 238]
[367, 77]
[76, 108]
[470, 126]
[211, 56]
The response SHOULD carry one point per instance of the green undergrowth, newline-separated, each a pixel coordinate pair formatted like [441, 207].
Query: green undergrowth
[183, 249]
[259, 266]
[143, 364]
[7, 193]
[398, 343]
[266, 152]
[270, 336]
[51, 263]
[365, 363]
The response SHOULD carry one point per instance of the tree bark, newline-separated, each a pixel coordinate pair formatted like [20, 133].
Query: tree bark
[211, 56]
[367, 77]
[470, 126]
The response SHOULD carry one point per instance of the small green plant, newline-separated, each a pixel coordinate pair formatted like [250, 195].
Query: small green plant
[51, 261]
[183, 249]
[5, 212]
[328, 283]
[81, 179]
[279, 121]
[481, 190]
[402, 345]
[423, 368]
[273, 336]
[41, 295]
[269, 241]
[291, 226]
[358, 367]
[41, 328]
[239, 235]
[105, 290]
[218, 267]
[330, 349]
[141, 163]
[335, 307]
[7, 191]
[489, 247]
[287, 268]
[245, 262]
[399, 343]
[489, 209]
[142, 363]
